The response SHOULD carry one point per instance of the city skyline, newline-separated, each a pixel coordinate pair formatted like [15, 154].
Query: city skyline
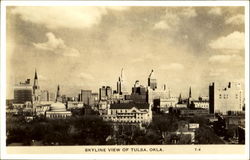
[185, 46]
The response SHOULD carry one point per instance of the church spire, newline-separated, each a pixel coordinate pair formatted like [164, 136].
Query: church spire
[190, 93]
[58, 94]
[35, 75]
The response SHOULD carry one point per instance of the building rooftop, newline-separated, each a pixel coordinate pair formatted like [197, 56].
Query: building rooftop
[129, 105]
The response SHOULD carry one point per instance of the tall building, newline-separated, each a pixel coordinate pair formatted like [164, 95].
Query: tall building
[86, 96]
[121, 87]
[152, 82]
[23, 92]
[109, 92]
[225, 98]
[105, 93]
[102, 93]
[139, 93]
[36, 89]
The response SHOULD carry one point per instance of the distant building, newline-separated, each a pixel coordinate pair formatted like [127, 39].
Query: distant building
[168, 102]
[139, 93]
[23, 92]
[58, 109]
[185, 112]
[52, 96]
[86, 96]
[105, 93]
[129, 113]
[102, 93]
[152, 82]
[225, 98]
[121, 87]
[74, 104]
[201, 103]
[36, 90]
[44, 95]
[94, 99]
[157, 94]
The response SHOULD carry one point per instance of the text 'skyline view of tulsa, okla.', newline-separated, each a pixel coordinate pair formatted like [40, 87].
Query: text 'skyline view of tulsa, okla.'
[125, 75]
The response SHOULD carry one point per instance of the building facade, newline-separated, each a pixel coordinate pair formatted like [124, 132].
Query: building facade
[129, 113]
[86, 96]
[23, 92]
[225, 98]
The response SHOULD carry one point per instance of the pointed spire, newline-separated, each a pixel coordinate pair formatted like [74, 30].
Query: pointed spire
[36, 74]
[180, 98]
[190, 93]
[58, 93]
[122, 73]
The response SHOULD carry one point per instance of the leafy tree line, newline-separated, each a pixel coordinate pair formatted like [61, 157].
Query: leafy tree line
[85, 130]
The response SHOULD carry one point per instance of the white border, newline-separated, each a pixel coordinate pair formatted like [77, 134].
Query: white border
[4, 155]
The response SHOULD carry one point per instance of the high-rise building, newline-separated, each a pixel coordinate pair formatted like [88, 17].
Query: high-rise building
[36, 89]
[225, 98]
[23, 92]
[109, 92]
[139, 94]
[105, 93]
[152, 82]
[86, 96]
[102, 93]
[121, 86]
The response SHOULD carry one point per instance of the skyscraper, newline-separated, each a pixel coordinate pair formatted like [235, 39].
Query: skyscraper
[121, 87]
[152, 82]
[23, 92]
[86, 96]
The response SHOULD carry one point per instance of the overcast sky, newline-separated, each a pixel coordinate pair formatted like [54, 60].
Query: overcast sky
[86, 47]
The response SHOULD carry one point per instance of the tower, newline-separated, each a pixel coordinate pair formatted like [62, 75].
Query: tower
[152, 82]
[36, 89]
[121, 88]
[58, 95]
[190, 93]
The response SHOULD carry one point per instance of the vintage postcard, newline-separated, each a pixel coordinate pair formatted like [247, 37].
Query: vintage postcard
[139, 79]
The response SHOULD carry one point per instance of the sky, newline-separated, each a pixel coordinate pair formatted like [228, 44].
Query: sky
[85, 47]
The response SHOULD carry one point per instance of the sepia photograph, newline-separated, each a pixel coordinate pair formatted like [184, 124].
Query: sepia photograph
[120, 76]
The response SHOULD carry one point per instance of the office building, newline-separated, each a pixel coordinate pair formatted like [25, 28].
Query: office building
[139, 93]
[224, 98]
[152, 82]
[86, 96]
[121, 84]
[23, 92]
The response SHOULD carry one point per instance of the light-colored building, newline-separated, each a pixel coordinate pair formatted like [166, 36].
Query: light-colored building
[44, 95]
[168, 102]
[201, 104]
[224, 98]
[58, 109]
[74, 104]
[129, 113]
